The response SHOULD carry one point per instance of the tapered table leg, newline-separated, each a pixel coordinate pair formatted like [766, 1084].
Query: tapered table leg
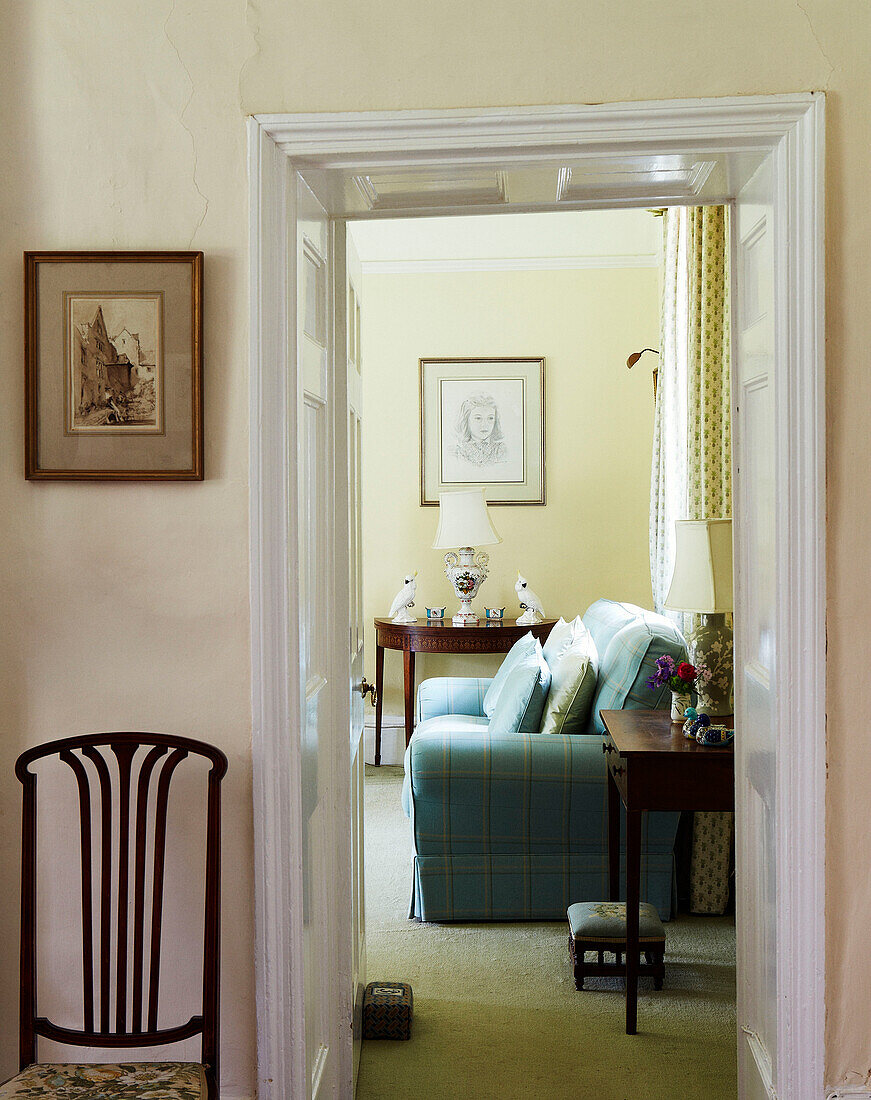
[633, 898]
[408, 662]
[613, 839]
[379, 695]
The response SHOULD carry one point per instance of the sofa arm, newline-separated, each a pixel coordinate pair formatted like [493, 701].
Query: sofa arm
[451, 695]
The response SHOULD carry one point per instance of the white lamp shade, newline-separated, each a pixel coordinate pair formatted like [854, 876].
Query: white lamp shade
[464, 521]
[702, 578]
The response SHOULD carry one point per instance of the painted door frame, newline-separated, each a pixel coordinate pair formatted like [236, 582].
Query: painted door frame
[790, 128]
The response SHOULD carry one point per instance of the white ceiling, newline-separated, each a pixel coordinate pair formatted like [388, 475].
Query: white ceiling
[590, 238]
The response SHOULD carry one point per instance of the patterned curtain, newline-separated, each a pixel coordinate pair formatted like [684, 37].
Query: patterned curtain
[709, 401]
[691, 473]
[691, 476]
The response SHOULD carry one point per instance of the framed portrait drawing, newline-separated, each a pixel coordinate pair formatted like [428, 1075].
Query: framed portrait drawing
[113, 366]
[482, 423]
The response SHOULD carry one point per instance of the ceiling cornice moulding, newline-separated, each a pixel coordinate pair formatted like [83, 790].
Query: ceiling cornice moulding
[514, 263]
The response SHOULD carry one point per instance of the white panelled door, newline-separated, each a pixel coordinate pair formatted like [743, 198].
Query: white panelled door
[315, 434]
[756, 651]
[354, 417]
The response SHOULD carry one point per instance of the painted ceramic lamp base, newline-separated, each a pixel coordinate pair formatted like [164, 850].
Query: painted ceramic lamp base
[466, 571]
[712, 646]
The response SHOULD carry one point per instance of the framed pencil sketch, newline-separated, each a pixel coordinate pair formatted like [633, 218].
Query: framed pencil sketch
[113, 366]
[482, 423]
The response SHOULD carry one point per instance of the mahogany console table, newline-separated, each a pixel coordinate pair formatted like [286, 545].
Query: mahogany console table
[439, 636]
[652, 766]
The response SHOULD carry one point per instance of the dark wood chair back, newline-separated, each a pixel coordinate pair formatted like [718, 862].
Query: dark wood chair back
[123, 784]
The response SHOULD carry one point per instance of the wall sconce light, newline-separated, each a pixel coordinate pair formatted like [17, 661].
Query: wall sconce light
[633, 359]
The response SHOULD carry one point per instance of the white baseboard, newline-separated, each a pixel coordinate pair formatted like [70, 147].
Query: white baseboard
[392, 739]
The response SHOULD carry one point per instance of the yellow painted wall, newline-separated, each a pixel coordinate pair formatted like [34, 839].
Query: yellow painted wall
[590, 538]
[123, 126]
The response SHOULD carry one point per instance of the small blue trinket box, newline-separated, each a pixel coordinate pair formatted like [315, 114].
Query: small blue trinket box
[494, 612]
[435, 612]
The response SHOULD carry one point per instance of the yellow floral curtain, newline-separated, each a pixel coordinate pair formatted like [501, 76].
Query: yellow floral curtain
[709, 401]
[691, 476]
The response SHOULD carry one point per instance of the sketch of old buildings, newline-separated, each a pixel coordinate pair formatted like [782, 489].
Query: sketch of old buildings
[113, 380]
[95, 352]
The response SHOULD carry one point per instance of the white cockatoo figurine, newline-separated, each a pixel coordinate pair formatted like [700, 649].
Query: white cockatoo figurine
[403, 600]
[533, 612]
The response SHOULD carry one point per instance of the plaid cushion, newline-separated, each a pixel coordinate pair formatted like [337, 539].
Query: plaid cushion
[628, 663]
[451, 695]
[514, 827]
[605, 618]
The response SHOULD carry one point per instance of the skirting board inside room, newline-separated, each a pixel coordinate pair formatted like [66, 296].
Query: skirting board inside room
[392, 739]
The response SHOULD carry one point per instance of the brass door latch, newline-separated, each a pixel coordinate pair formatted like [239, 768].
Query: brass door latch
[367, 689]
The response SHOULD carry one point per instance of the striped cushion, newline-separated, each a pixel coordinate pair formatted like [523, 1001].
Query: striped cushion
[572, 688]
[523, 647]
[109, 1081]
[521, 700]
[605, 618]
[628, 663]
[566, 636]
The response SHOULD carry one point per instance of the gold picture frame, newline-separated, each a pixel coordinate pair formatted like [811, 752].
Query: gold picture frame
[113, 353]
[482, 423]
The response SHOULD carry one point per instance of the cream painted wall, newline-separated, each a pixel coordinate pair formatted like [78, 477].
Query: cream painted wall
[123, 127]
[590, 538]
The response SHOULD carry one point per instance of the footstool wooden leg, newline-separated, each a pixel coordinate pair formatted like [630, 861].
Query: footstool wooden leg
[659, 958]
[577, 958]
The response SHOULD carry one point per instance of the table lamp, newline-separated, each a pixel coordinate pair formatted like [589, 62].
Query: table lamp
[702, 583]
[465, 523]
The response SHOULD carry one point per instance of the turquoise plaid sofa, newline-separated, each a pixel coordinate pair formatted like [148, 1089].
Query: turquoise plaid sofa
[514, 826]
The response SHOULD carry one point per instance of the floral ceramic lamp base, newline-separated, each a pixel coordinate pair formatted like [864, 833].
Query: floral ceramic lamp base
[466, 571]
[712, 647]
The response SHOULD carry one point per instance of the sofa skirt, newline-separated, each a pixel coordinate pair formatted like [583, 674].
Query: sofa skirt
[524, 887]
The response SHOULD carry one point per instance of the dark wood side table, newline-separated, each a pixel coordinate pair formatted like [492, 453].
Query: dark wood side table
[652, 766]
[435, 636]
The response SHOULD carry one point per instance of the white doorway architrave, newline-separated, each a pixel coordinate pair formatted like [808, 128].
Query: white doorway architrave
[791, 130]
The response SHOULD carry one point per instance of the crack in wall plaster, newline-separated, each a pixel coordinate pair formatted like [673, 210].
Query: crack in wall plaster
[816, 39]
[185, 126]
[254, 23]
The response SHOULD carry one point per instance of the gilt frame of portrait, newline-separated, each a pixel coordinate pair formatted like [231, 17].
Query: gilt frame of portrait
[482, 423]
[113, 359]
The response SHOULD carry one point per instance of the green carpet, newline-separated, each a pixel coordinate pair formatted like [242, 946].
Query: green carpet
[496, 1013]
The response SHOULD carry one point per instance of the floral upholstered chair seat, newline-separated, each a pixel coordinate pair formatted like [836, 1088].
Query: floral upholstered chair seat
[109, 1081]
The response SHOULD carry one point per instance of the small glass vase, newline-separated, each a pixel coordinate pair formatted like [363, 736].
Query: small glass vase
[679, 703]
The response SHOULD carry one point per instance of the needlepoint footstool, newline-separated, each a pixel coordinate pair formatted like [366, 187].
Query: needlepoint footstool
[600, 926]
